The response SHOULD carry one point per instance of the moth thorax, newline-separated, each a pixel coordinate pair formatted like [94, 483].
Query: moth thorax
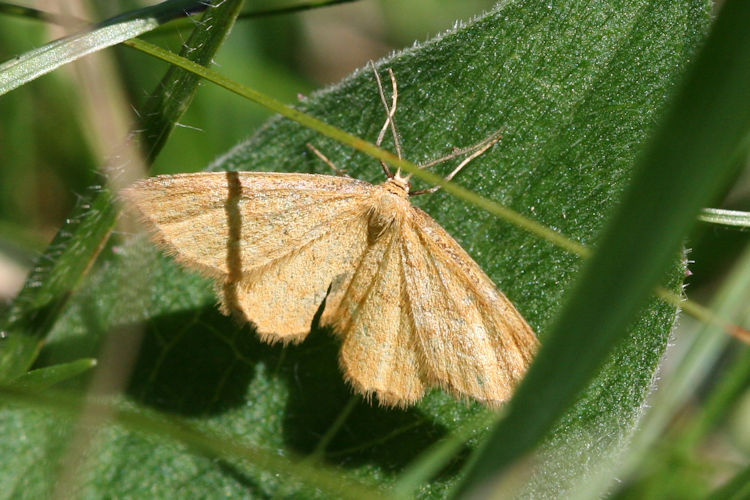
[388, 210]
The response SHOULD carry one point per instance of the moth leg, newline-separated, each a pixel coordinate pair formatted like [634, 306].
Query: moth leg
[328, 162]
[475, 150]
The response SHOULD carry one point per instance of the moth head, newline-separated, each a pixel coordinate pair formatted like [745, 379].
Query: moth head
[399, 184]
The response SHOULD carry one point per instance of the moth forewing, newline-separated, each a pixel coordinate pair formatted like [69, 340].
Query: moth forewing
[252, 231]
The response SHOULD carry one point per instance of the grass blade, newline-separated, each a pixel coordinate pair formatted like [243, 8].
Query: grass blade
[42, 378]
[734, 218]
[38, 62]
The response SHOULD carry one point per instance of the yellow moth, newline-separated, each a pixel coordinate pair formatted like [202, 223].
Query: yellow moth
[411, 307]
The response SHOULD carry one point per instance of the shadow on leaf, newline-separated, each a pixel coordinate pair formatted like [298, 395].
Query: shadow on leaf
[201, 363]
[318, 395]
[196, 363]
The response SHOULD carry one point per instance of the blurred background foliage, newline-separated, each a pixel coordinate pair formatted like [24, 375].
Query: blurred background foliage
[46, 161]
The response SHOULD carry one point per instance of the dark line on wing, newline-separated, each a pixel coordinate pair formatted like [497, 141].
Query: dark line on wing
[234, 223]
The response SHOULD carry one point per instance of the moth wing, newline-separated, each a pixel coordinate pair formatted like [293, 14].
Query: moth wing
[273, 241]
[209, 219]
[283, 296]
[378, 353]
[470, 337]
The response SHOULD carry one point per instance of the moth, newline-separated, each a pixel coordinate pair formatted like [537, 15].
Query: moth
[412, 309]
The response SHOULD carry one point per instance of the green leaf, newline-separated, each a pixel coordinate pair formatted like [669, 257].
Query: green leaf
[33, 484]
[575, 89]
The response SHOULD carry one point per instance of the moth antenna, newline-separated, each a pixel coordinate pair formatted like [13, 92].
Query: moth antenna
[390, 113]
[328, 162]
